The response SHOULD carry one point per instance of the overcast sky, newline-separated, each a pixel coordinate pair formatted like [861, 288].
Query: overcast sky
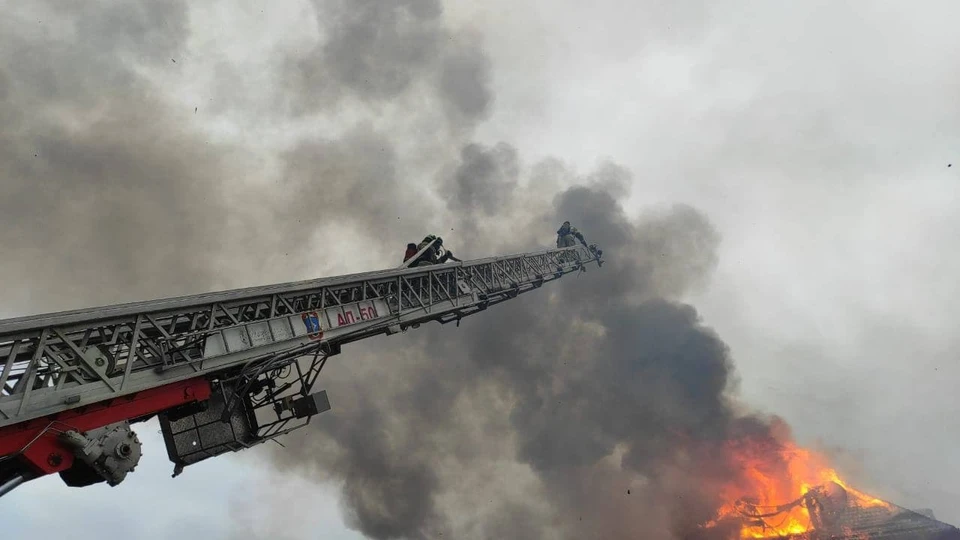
[816, 139]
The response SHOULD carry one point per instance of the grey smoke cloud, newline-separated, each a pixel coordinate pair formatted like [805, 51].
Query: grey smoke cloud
[352, 179]
[106, 194]
[484, 180]
[375, 53]
[371, 51]
[464, 81]
[123, 191]
[112, 191]
[534, 418]
[580, 373]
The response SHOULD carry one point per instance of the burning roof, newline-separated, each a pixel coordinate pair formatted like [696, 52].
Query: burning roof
[830, 511]
[782, 491]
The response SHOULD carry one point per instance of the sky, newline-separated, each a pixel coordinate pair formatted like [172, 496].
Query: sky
[173, 148]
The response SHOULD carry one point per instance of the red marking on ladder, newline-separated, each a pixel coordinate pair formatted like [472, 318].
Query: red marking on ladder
[36, 440]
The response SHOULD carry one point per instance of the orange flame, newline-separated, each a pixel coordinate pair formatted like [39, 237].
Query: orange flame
[772, 479]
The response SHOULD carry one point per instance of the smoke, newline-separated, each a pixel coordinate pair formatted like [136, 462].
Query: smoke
[371, 52]
[102, 188]
[376, 54]
[484, 179]
[534, 419]
[112, 190]
[541, 414]
[353, 177]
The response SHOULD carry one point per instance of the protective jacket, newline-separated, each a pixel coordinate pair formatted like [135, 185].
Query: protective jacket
[567, 236]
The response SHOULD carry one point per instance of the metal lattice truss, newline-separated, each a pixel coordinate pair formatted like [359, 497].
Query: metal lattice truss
[51, 363]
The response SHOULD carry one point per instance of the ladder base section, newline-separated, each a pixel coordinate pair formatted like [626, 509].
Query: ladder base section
[38, 447]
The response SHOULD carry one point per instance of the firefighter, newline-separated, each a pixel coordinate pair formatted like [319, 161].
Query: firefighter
[427, 256]
[434, 255]
[568, 235]
[424, 257]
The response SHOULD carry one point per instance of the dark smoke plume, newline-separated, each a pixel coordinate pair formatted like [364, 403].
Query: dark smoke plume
[599, 384]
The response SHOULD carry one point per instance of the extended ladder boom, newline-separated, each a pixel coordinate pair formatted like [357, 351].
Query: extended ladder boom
[225, 370]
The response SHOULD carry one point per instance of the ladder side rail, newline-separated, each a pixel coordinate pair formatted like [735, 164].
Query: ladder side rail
[103, 314]
[142, 352]
[217, 315]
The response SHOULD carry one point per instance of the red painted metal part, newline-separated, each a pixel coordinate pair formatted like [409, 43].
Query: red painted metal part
[36, 440]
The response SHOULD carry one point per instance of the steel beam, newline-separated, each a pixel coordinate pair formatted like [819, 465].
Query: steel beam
[61, 361]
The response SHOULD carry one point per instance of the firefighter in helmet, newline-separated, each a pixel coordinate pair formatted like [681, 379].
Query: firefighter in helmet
[435, 254]
[567, 236]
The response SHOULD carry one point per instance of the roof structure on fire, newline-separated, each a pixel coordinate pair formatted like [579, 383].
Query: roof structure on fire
[893, 523]
[839, 515]
[883, 522]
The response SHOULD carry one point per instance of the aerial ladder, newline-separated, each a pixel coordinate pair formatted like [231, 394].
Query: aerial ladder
[222, 371]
